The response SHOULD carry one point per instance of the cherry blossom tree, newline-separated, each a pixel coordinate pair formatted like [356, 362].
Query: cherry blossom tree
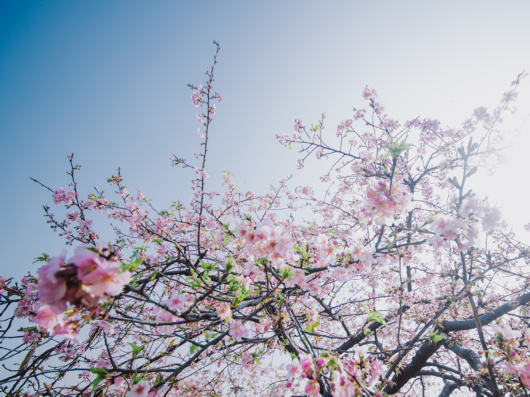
[397, 280]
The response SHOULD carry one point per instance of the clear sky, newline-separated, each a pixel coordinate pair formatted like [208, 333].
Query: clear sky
[107, 81]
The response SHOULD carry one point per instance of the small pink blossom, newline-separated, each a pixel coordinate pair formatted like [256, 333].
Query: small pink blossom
[523, 370]
[108, 328]
[52, 289]
[178, 301]
[224, 312]
[67, 331]
[246, 359]
[165, 317]
[101, 275]
[195, 97]
[312, 388]
[294, 370]
[241, 232]
[141, 389]
[297, 278]
[31, 337]
[341, 385]
[48, 319]
[376, 370]
[306, 362]
[238, 330]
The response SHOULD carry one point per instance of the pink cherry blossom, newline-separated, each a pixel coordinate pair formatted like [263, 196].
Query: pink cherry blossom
[52, 289]
[195, 97]
[111, 282]
[164, 316]
[241, 232]
[141, 389]
[238, 330]
[48, 319]
[66, 331]
[284, 245]
[341, 385]
[108, 328]
[224, 312]
[306, 362]
[179, 301]
[312, 388]
[101, 275]
[297, 278]
[31, 337]
[376, 370]
[523, 370]
[294, 370]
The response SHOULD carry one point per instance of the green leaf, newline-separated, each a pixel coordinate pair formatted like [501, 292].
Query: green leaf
[499, 336]
[135, 349]
[127, 266]
[377, 317]
[229, 266]
[473, 170]
[137, 379]
[286, 273]
[454, 182]
[435, 337]
[301, 251]
[311, 327]
[43, 258]
[207, 266]
[193, 348]
[97, 381]
[99, 371]
[153, 275]
[243, 293]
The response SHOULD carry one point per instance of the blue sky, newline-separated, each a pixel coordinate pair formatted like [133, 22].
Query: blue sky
[107, 81]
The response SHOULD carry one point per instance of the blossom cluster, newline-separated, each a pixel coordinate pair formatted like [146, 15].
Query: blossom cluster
[513, 356]
[178, 302]
[348, 379]
[28, 302]
[382, 203]
[91, 274]
[263, 240]
[61, 195]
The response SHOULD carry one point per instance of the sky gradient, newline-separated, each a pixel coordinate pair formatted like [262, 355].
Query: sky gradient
[107, 81]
